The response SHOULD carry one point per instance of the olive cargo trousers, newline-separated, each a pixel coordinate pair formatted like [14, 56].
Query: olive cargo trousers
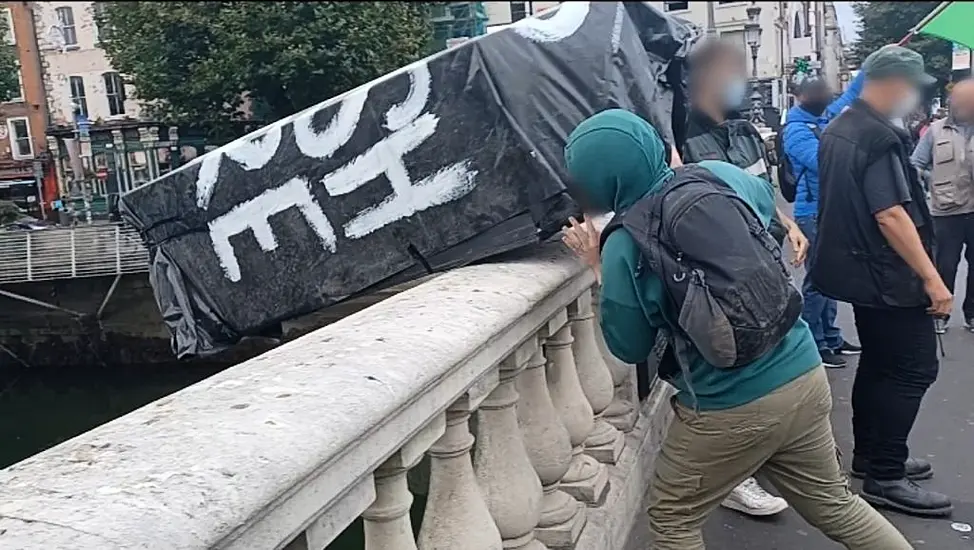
[787, 435]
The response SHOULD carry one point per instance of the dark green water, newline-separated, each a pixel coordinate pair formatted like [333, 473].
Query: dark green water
[40, 408]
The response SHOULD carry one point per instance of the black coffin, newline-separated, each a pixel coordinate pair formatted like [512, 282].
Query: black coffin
[449, 160]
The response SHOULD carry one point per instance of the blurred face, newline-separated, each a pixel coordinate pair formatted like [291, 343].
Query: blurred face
[902, 95]
[725, 80]
[815, 99]
[962, 102]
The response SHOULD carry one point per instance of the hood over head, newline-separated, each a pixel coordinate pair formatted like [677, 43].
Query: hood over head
[614, 158]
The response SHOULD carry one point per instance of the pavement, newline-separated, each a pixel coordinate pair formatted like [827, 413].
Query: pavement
[944, 434]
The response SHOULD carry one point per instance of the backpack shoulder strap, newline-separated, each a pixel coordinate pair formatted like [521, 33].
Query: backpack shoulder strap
[614, 223]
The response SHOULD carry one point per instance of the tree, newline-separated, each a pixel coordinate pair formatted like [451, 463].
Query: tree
[9, 82]
[194, 63]
[9, 212]
[882, 23]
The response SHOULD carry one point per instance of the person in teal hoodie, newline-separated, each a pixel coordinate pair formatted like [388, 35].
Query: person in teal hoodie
[771, 415]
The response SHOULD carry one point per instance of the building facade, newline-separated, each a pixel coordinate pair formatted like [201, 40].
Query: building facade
[505, 13]
[26, 171]
[100, 144]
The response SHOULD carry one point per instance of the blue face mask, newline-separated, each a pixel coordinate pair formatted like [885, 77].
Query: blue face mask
[734, 92]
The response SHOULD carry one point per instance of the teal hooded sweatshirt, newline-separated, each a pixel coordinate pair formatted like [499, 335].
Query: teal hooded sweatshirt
[615, 158]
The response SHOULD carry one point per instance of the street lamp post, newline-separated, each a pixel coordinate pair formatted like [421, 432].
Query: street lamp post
[752, 35]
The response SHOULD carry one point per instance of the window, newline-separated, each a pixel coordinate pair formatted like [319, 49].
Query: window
[808, 18]
[19, 134]
[101, 27]
[139, 163]
[676, 6]
[518, 11]
[65, 18]
[18, 94]
[798, 32]
[115, 90]
[11, 36]
[78, 95]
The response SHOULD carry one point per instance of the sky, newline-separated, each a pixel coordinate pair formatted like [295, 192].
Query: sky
[847, 21]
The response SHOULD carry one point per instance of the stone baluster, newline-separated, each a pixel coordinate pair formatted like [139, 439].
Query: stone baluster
[456, 514]
[549, 448]
[587, 480]
[511, 486]
[623, 412]
[605, 442]
[387, 521]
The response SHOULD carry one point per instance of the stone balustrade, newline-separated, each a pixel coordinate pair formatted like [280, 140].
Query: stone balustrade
[485, 390]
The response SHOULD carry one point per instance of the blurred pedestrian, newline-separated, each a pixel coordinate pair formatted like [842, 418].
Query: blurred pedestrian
[802, 132]
[944, 156]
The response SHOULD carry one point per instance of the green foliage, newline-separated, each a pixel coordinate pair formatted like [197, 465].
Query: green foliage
[9, 212]
[9, 83]
[193, 63]
[882, 23]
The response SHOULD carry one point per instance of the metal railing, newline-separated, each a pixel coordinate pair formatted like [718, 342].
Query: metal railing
[89, 251]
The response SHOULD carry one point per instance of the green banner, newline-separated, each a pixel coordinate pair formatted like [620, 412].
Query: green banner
[955, 22]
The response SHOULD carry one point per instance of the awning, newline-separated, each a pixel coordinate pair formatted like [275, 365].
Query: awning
[5, 184]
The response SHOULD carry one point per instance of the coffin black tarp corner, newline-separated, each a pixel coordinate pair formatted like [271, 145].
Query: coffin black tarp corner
[450, 160]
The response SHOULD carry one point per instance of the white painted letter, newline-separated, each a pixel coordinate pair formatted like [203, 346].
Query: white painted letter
[410, 129]
[337, 133]
[252, 153]
[564, 23]
[255, 215]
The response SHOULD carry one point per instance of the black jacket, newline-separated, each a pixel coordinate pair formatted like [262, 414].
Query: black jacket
[852, 261]
[735, 141]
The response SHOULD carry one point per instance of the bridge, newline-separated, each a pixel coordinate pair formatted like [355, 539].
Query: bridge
[100, 250]
[485, 392]
[70, 253]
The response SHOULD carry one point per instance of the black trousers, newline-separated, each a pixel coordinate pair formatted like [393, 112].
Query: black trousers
[897, 365]
[953, 234]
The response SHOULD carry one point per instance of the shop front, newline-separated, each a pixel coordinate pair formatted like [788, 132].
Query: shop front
[116, 158]
[22, 183]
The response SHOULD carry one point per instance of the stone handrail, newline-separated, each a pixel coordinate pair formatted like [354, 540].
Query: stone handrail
[289, 448]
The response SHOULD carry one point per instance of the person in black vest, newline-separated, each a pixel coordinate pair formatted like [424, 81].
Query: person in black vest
[874, 251]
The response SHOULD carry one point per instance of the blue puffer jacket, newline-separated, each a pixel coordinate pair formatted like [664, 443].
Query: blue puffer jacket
[801, 146]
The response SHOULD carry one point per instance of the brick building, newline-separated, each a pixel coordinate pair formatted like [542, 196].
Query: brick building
[95, 123]
[26, 171]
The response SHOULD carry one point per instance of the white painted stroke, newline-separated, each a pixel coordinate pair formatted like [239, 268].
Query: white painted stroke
[339, 130]
[617, 27]
[381, 158]
[255, 215]
[564, 23]
[251, 154]
[398, 116]
[444, 186]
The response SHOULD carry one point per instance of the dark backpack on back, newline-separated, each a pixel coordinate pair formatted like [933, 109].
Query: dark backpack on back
[786, 174]
[722, 270]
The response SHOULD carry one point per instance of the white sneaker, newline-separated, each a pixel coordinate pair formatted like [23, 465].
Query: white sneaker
[749, 498]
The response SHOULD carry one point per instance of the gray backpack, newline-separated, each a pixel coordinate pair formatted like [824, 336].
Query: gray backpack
[723, 271]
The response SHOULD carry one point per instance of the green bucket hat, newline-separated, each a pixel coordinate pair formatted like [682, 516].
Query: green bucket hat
[897, 62]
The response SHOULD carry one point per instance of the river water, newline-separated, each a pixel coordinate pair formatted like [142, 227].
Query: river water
[40, 408]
